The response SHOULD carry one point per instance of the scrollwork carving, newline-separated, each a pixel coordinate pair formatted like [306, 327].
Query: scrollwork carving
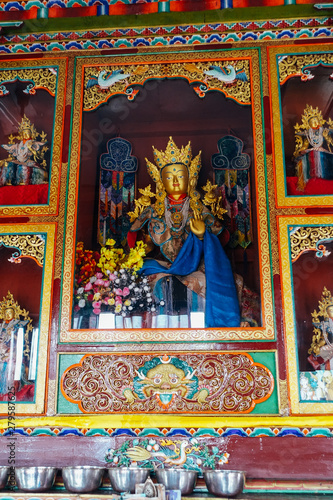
[307, 238]
[200, 383]
[228, 76]
[41, 78]
[299, 64]
[28, 245]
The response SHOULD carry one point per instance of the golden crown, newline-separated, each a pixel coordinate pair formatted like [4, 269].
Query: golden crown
[308, 114]
[172, 154]
[27, 125]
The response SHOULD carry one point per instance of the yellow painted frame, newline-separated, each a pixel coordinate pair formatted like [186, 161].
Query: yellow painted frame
[52, 207]
[38, 407]
[288, 308]
[282, 199]
[266, 332]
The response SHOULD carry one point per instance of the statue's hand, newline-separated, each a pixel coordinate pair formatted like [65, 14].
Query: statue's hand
[197, 225]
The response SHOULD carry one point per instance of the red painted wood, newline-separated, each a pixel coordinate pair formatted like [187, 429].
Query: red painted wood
[267, 121]
[287, 458]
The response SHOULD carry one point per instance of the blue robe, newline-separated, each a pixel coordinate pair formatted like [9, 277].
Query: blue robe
[222, 307]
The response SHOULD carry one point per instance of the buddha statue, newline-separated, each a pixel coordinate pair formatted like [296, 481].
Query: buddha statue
[186, 235]
[313, 140]
[25, 163]
[12, 318]
[321, 350]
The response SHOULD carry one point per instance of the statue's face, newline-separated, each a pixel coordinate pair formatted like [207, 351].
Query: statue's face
[175, 179]
[314, 122]
[26, 134]
[9, 314]
[329, 311]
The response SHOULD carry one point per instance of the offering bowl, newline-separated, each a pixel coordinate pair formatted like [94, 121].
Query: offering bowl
[4, 471]
[177, 479]
[35, 478]
[82, 479]
[125, 478]
[224, 483]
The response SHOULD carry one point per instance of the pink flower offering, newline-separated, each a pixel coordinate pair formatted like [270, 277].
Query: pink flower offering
[97, 304]
[118, 291]
[106, 283]
[99, 281]
[126, 291]
[118, 300]
[99, 276]
[112, 277]
[88, 286]
[96, 311]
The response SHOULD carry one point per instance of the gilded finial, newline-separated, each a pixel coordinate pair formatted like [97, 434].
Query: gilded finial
[141, 203]
[213, 201]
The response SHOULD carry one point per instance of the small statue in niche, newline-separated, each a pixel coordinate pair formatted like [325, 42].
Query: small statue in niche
[15, 327]
[313, 160]
[186, 234]
[26, 163]
[321, 350]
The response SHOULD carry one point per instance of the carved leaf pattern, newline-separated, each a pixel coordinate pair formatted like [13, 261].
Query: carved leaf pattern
[29, 245]
[93, 96]
[299, 64]
[307, 238]
[42, 78]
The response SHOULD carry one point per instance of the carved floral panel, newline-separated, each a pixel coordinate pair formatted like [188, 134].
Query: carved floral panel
[188, 383]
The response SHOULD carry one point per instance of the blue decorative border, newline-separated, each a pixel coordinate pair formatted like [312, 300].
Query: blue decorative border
[166, 36]
[169, 433]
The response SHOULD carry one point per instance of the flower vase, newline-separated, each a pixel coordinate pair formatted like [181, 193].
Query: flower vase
[137, 321]
[93, 321]
[77, 322]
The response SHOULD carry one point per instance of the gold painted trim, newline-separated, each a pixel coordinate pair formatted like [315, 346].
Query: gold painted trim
[152, 421]
[52, 207]
[288, 307]
[190, 335]
[44, 321]
[282, 199]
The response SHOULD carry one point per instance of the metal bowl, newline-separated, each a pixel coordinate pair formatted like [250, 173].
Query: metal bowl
[82, 479]
[4, 471]
[35, 478]
[125, 478]
[177, 479]
[224, 483]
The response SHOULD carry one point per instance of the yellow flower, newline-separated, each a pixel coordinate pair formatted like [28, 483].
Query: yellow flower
[127, 302]
[110, 242]
[134, 259]
[111, 302]
[97, 296]
[118, 308]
